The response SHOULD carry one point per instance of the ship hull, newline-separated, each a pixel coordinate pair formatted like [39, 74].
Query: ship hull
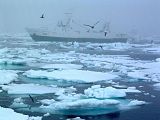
[65, 39]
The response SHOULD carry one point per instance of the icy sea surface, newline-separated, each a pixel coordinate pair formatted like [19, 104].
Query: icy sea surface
[78, 81]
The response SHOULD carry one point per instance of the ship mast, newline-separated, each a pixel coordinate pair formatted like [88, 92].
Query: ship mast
[106, 29]
[65, 25]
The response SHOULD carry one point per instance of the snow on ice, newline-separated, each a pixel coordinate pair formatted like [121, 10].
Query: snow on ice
[7, 76]
[30, 89]
[62, 66]
[9, 114]
[71, 75]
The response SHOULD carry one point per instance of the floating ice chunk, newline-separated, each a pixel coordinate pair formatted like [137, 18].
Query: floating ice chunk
[47, 101]
[131, 104]
[44, 51]
[7, 76]
[71, 97]
[76, 44]
[153, 96]
[9, 114]
[38, 74]
[22, 55]
[136, 103]
[158, 59]
[71, 75]
[82, 107]
[119, 63]
[18, 100]
[70, 89]
[30, 89]
[155, 49]
[131, 90]
[155, 77]
[109, 92]
[150, 71]
[62, 66]
[59, 57]
[119, 86]
[123, 69]
[137, 75]
[117, 46]
[151, 65]
[35, 118]
[157, 86]
[18, 103]
[76, 118]
[146, 93]
[108, 46]
[13, 61]
[119, 59]
[81, 104]
[3, 51]
[47, 114]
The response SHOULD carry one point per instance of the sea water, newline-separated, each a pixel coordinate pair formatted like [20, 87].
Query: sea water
[50, 79]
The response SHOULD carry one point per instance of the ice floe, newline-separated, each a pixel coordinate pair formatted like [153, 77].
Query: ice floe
[70, 103]
[71, 66]
[18, 103]
[81, 104]
[136, 103]
[13, 61]
[18, 100]
[88, 106]
[71, 75]
[9, 114]
[158, 59]
[153, 49]
[109, 92]
[34, 118]
[21, 55]
[117, 46]
[150, 72]
[7, 76]
[47, 114]
[157, 86]
[137, 75]
[30, 89]
[76, 118]
[131, 104]
[97, 91]
[119, 86]
[62, 66]
[71, 97]
[47, 101]
[108, 46]
[131, 90]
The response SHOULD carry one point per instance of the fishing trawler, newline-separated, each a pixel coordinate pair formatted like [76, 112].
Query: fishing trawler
[71, 31]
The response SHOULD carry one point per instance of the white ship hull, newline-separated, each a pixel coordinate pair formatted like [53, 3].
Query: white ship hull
[78, 39]
[70, 36]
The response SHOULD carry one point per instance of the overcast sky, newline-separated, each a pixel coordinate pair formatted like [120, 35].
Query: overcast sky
[142, 16]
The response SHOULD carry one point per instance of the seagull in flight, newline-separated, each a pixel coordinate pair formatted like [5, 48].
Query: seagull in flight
[92, 26]
[31, 98]
[42, 16]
